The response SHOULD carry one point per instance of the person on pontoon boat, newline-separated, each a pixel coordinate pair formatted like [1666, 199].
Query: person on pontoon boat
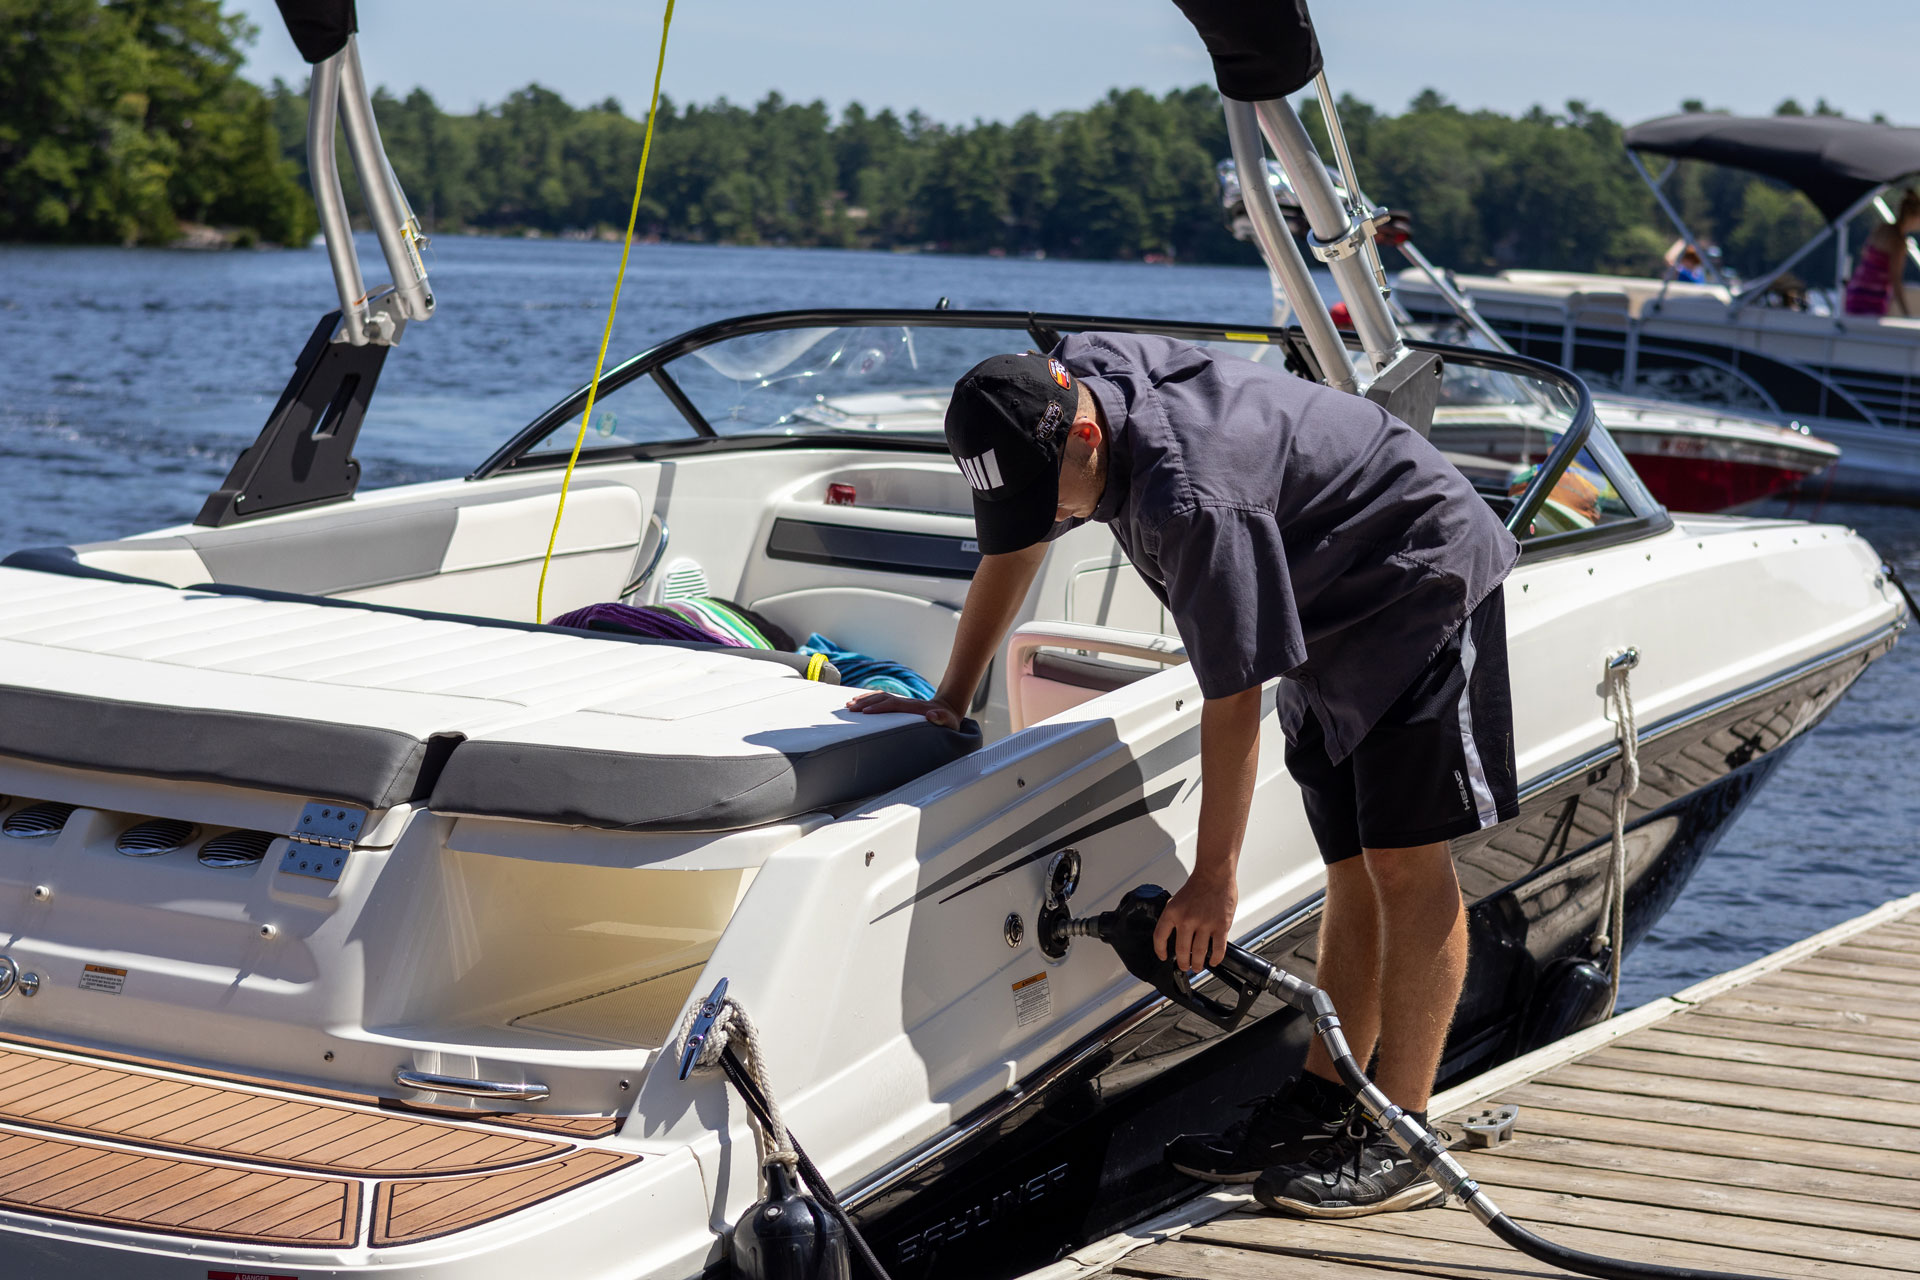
[1876, 286]
[1292, 531]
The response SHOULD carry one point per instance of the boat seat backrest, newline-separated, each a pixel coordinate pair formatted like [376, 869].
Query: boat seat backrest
[371, 549]
[882, 624]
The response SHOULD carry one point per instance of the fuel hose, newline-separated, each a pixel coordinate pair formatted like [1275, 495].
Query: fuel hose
[1129, 930]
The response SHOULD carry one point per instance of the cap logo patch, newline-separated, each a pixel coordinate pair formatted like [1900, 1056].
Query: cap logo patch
[1059, 372]
[981, 471]
[1049, 425]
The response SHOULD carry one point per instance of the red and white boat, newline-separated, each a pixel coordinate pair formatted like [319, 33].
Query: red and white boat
[1693, 459]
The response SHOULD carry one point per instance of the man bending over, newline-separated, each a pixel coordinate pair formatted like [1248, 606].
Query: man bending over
[1299, 533]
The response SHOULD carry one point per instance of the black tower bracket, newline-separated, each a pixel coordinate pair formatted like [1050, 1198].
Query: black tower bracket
[304, 454]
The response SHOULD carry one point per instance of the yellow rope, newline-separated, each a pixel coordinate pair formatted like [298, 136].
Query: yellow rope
[593, 388]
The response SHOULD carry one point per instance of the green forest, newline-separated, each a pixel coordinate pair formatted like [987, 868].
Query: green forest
[122, 120]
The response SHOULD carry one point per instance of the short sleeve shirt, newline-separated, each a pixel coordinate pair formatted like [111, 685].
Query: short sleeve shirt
[1290, 529]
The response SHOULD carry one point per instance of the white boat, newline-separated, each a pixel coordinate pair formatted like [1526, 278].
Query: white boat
[351, 920]
[1690, 456]
[1851, 380]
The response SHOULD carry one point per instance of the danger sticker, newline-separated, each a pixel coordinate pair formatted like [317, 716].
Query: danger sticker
[246, 1275]
[97, 977]
[1032, 999]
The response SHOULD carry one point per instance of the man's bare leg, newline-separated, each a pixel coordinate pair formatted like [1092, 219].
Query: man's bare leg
[1423, 958]
[1349, 965]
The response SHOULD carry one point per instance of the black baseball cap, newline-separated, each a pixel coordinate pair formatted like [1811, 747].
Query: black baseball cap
[1007, 429]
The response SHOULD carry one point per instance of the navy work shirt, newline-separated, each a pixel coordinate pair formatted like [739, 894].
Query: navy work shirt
[1291, 529]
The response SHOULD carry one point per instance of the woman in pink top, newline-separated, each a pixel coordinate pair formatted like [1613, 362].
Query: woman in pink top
[1876, 280]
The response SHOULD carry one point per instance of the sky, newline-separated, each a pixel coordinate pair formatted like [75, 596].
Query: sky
[997, 59]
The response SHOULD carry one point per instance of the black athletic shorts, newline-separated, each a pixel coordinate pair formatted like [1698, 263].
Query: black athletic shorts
[1439, 764]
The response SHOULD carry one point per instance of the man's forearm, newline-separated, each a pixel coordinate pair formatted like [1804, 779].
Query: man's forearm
[998, 589]
[1229, 764]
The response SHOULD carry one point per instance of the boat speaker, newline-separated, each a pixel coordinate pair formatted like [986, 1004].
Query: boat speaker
[789, 1236]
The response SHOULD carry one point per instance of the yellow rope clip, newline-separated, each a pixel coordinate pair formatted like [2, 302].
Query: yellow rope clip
[815, 665]
[593, 388]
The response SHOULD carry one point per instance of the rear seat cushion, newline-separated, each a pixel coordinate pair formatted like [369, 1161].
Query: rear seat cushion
[360, 764]
[711, 771]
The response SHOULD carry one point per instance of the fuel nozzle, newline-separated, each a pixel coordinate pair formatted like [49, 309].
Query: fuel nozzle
[1128, 929]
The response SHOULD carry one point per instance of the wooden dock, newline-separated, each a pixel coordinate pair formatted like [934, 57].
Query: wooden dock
[1766, 1122]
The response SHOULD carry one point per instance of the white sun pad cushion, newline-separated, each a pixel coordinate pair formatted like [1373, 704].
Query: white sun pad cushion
[361, 706]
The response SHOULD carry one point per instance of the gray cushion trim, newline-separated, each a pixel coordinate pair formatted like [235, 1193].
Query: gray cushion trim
[634, 791]
[372, 767]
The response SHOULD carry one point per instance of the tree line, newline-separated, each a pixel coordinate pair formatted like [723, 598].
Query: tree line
[120, 119]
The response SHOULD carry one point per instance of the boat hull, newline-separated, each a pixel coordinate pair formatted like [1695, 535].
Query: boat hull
[1080, 1155]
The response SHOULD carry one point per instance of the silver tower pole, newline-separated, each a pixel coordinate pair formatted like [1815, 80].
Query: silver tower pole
[1337, 236]
[1282, 254]
[324, 171]
[398, 233]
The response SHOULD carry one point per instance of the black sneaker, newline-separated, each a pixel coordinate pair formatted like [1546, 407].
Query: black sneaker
[1280, 1128]
[1359, 1173]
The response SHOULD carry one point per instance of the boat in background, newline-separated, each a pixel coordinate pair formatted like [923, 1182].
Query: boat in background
[1735, 347]
[1691, 457]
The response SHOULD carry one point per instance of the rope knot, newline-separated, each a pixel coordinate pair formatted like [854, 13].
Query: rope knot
[733, 1028]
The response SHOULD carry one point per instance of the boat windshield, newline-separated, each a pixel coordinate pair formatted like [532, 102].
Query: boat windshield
[818, 380]
[1521, 431]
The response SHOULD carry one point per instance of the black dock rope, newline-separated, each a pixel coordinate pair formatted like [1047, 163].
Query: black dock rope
[731, 1042]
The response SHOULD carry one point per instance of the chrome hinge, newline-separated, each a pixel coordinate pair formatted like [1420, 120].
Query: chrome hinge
[319, 844]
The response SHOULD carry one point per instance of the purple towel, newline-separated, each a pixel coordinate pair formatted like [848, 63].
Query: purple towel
[659, 624]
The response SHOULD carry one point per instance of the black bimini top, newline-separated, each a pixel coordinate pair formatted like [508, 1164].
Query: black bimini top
[1261, 49]
[319, 27]
[1835, 162]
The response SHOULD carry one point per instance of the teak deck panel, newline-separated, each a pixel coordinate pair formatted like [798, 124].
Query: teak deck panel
[143, 1145]
[407, 1211]
[1767, 1122]
[40, 1090]
[64, 1178]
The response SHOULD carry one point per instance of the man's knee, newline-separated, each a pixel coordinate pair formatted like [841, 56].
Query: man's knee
[1422, 872]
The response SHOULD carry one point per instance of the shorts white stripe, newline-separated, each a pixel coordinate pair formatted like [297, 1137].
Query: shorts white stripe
[1476, 772]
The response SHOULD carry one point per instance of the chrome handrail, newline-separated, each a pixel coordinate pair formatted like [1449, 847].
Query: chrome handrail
[498, 1090]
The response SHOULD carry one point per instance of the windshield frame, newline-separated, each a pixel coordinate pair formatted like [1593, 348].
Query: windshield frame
[1046, 329]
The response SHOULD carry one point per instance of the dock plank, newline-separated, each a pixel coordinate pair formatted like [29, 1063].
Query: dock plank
[1885, 1171]
[1731, 1069]
[1767, 1122]
[1618, 1237]
[1757, 1097]
[1707, 1048]
[1830, 1043]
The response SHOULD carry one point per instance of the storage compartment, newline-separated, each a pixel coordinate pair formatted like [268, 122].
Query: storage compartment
[604, 955]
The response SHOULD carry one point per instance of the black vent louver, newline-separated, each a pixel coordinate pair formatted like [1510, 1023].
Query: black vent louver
[236, 849]
[37, 820]
[154, 837]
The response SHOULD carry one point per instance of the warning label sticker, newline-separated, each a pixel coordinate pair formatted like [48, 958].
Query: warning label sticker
[97, 977]
[246, 1275]
[1032, 999]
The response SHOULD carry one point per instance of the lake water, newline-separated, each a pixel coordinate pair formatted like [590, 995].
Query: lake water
[129, 380]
